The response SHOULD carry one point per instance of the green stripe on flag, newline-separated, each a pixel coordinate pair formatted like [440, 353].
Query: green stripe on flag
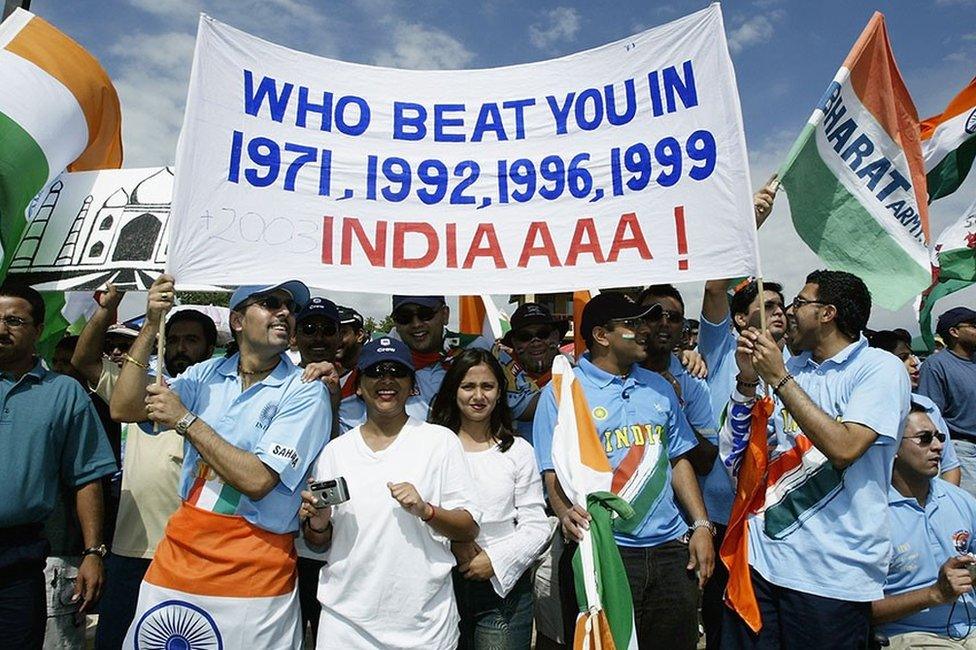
[227, 501]
[946, 177]
[23, 171]
[835, 225]
[649, 496]
[798, 504]
[939, 291]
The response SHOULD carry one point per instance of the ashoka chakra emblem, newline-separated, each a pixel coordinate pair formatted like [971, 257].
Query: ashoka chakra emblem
[177, 625]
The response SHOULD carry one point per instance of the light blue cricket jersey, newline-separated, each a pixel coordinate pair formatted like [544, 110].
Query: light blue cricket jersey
[923, 539]
[824, 531]
[949, 459]
[696, 401]
[284, 422]
[634, 416]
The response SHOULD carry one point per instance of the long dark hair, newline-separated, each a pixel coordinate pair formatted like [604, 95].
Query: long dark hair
[445, 412]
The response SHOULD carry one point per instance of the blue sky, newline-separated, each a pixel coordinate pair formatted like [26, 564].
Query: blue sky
[785, 52]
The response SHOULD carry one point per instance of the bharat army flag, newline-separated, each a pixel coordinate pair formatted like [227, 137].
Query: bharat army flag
[855, 177]
[949, 143]
[606, 618]
[953, 268]
[58, 110]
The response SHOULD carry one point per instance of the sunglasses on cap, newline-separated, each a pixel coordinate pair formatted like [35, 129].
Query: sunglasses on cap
[525, 335]
[925, 438]
[309, 328]
[274, 303]
[406, 316]
[387, 369]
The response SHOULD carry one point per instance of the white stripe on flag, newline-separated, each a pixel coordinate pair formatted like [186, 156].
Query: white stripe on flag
[23, 83]
[12, 25]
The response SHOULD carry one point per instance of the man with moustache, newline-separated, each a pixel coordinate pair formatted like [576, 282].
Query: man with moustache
[933, 533]
[151, 463]
[352, 336]
[818, 546]
[638, 418]
[52, 439]
[251, 429]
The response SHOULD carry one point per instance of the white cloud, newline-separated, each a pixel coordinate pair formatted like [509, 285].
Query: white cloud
[752, 31]
[559, 25]
[423, 48]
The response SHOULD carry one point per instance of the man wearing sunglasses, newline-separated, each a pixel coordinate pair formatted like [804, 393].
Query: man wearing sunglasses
[644, 433]
[534, 343]
[421, 323]
[819, 547]
[948, 378]
[252, 429]
[933, 533]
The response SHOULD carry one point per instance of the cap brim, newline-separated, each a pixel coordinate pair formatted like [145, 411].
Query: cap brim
[652, 310]
[295, 288]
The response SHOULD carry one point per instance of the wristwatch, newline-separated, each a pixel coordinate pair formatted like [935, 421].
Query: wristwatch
[101, 551]
[183, 424]
[702, 523]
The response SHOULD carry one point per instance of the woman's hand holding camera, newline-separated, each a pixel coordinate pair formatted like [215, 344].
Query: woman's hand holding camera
[313, 516]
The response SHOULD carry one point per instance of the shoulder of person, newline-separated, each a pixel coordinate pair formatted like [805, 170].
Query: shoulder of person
[652, 379]
[871, 358]
[957, 494]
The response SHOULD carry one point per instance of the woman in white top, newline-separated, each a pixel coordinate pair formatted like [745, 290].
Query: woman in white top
[387, 578]
[492, 581]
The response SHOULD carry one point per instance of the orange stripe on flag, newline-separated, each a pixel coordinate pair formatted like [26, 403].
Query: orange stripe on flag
[626, 467]
[750, 493]
[591, 451]
[789, 460]
[62, 58]
[961, 103]
[881, 89]
[580, 298]
[598, 637]
[472, 315]
[209, 554]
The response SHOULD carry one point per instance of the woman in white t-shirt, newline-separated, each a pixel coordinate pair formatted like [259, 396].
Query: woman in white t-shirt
[387, 578]
[492, 582]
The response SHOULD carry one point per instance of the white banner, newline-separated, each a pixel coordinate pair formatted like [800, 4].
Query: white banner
[622, 165]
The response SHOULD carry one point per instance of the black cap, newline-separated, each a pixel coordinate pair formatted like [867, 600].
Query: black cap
[349, 316]
[319, 307]
[952, 318]
[423, 301]
[532, 313]
[605, 307]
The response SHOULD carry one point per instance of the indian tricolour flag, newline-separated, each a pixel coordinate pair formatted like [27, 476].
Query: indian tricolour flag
[855, 177]
[58, 110]
[480, 317]
[949, 143]
[606, 619]
[953, 265]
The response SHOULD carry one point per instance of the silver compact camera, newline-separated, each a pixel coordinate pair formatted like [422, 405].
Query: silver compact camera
[330, 493]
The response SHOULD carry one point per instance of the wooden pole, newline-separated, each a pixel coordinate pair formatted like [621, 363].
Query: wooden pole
[160, 353]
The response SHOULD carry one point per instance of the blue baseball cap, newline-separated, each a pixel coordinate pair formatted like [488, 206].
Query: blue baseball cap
[296, 288]
[424, 301]
[383, 349]
[319, 307]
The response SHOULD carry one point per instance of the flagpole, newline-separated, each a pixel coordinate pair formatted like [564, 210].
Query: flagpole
[160, 352]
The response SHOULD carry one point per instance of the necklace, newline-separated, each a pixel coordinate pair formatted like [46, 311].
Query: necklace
[241, 371]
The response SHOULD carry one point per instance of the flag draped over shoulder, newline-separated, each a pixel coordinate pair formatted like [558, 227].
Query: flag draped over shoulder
[855, 176]
[58, 110]
[606, 619]
[949, 143]
[953, 268]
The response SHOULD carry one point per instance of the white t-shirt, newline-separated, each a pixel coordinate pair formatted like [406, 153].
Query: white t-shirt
[514, 526]
[387, 578]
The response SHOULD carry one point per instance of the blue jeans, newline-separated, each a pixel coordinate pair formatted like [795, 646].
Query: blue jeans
[490, 622]
[966, 452]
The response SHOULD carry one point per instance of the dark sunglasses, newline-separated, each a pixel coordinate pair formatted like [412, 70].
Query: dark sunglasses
[387, 369]
[309, 328]
[406, 316]
[274, 303]
[526, 335]
[925, 437]
[671, 316]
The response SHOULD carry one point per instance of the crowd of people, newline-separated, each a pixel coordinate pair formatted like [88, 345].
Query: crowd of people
[310, 481]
